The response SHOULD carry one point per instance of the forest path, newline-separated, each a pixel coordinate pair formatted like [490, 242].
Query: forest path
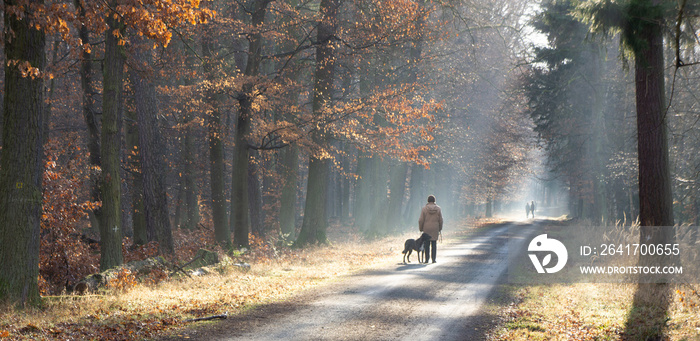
[441, 301]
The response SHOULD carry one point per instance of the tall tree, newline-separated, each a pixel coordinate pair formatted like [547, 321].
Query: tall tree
[645, 34]
[313, 229]
[155, 200]
[133, 164]
[188, 201]
[21, 165]
[216, 133]
[110, 187]
[642, 23]
[290, 171]
[191, 200]
[240, 211]
[88, 106]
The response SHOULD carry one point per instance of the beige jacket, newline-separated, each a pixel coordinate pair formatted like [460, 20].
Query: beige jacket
[430, 220]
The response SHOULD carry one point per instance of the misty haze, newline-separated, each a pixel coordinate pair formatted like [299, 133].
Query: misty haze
[350, 169]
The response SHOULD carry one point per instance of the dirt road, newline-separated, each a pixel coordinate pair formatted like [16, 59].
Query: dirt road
[440, 301]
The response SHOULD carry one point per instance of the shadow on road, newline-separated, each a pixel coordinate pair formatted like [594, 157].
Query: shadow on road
[458, 298]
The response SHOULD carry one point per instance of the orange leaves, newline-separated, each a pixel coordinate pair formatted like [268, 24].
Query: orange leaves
[123, 281]
[52, 19]
[154, 19]
[25, 68]
[381, 22]
[394, 120]
[64, 258]
[425, 134]
[688, 298]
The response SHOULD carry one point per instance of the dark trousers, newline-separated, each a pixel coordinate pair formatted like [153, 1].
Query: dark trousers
[427, 249]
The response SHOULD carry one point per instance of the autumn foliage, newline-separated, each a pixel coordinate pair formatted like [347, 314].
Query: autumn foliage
[396, 98]
[65, 257]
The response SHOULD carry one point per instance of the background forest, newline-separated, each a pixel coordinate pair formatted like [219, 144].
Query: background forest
[169, 125]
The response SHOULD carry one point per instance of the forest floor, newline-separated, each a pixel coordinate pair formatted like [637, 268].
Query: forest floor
[143, 311]
[281, 280]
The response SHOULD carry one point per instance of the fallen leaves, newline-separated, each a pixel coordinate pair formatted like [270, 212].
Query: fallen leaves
[113, 328]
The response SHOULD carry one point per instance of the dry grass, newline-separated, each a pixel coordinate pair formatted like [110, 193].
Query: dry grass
[587, 311]
[145, 311]
[566, 312]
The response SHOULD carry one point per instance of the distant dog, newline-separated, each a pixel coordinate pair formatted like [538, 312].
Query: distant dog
[414, 244]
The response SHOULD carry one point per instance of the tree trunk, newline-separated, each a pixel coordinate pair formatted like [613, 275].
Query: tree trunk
[270, 186]
[187, 207]
[153, 169]
[347, 185]
[216, 133]
[655, 201]
[91, 121]
[290, 172]
[191, 196]
[21, 166]
[651, 300]
[240, 210]
[218, 183]
[180, 208]
[255, 198]
[333, 196]
[110, 189]
[134, 165]
[313, 229]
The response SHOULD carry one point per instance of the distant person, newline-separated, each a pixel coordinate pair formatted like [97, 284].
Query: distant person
[532, 209]
[430, 222]
[527, 210]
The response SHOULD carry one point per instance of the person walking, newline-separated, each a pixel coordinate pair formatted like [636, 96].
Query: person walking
[532, 209]
[527, 210]
[430, 222]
